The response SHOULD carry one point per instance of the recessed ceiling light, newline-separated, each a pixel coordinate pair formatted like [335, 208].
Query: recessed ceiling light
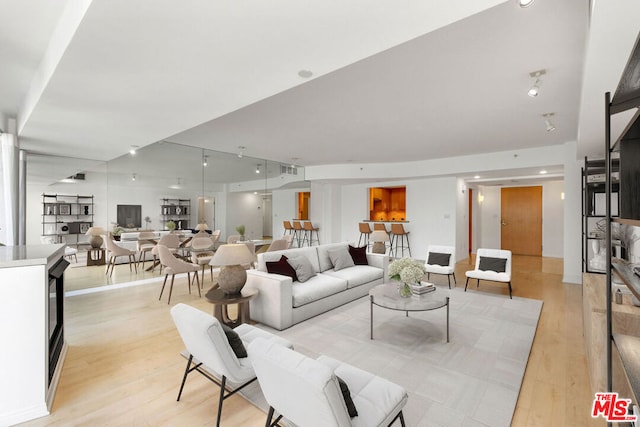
[542, 172]
[258, 169]
[132, 151]
[133, 177]
[305, 74]
[476, 177]
[524, 3]
[547, 122]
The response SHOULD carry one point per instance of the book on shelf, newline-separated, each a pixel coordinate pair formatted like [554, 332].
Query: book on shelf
[422, 288]
[421, 294]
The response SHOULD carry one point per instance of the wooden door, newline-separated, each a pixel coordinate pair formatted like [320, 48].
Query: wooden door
[521, 220]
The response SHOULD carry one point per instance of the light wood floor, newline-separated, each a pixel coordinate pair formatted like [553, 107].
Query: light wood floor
[123, 367]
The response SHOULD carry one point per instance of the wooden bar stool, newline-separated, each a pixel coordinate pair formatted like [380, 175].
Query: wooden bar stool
[309, 229]
[365, 231]
[297, 232]
[288, 229]
[398, 236]
[383, 227]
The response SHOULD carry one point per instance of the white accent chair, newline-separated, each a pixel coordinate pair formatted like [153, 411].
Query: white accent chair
[482, 273]
[208, 350]
[173, 266]
[447, 270]
[306, 391]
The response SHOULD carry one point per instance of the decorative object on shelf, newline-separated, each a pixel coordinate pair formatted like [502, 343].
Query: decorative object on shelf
[379, 237]
[64, 209]
[96, 236]
[171, 226]
[85, 208]
[178, 210]
[241, 230]
[232, 275]
[406, 270]
[147, 221]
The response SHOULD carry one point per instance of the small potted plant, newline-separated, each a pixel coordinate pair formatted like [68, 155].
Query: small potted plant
[171, 226]
[117, 231]
[147, 221]
[241, 230]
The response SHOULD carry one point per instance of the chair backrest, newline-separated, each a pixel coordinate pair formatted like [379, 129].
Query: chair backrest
[201, 243]
[494, 253]
[397, 229]
[443, 250]
[364, 227]
[170, 240]
[289, 239]
[204, 338]
[113, 247]
[287, 225]
[380, 226]
[284, 373]
[146, 235]
[168, 260]
[215, 236]
[233, 238]
[308, 225]
[297, 225]
[278, 245]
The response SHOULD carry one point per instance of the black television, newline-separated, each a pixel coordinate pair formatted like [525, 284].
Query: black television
[130, 216]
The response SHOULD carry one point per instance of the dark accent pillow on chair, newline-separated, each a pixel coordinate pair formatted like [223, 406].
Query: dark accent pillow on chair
[282, 267]
[499, 265]
[234, 341]
[438, 258]
[359, 255]
[346, 395]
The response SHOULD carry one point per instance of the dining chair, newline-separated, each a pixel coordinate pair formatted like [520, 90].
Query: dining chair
[278, 245]
[116, 251]
[365, 231]
[233, 238]
[297, 232]
[171, 241]
[309, 229]
[146, 242]
[173, 266]
[201, 253]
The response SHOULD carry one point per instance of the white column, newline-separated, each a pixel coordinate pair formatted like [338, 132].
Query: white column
[22, 198]
[10, 183]
[572, 215]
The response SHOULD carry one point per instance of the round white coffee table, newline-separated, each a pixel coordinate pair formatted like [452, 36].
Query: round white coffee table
[387, 296]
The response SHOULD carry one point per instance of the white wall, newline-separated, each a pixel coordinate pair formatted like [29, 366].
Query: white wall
[283, 208]
[462, 220]
[572, 215]
[244, 209]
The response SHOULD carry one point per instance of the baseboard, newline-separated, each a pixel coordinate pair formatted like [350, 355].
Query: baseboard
[572, 278]
[24, 414]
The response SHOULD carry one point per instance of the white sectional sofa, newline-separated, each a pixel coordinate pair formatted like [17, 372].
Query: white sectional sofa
[281, 302]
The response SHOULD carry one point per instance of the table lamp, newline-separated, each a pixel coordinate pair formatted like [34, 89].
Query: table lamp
[202, 228]
[232, 275]
[96, 236]
[378, 237]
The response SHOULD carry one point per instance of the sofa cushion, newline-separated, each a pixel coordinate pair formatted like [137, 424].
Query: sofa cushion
[282, 267]
[318, 287]
[499, 265]
[310, 253]
[357, 275]
[340, 258]
[323, 255]
[437, 258]
[302, 267]
[359, 255]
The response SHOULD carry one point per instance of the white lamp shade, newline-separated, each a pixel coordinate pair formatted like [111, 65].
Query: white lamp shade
[202, 227]
[95, 231]
[379, 236]
[232, 254]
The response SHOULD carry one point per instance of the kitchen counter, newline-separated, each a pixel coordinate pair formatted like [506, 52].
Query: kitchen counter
[23, 256]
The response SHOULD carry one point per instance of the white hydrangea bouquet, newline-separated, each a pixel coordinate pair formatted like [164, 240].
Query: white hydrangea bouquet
[406, 270]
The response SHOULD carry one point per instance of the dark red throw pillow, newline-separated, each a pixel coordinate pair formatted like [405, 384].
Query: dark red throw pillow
[359, 255]
[282, 267]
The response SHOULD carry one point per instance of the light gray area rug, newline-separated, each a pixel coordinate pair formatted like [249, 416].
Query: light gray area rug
[473, 380]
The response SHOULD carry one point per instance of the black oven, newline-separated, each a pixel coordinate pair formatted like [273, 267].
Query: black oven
[56, 313]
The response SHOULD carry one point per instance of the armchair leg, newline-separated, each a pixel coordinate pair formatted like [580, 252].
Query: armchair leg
[465, 284]
[510, 297]
[224, 380]
[184, 378]
[399, 416]
[478, 284]
[454, 278]
[449, 280]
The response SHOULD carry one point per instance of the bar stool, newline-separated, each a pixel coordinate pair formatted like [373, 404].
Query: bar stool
[288, 229]
[297, 232]
[383, 227]
[308, 233]
[398, 235]
[365, 231]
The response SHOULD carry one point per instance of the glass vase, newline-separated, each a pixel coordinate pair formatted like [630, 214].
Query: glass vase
[404, 290]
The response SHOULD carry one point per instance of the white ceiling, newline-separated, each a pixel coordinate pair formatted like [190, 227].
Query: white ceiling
[430, 79]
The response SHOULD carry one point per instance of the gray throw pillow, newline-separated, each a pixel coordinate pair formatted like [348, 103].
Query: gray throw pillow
[438, 258]
[341, 258]
[303, 268]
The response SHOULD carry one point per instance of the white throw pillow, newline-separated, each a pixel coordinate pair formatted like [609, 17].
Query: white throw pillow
[302, 266]
[341, 258]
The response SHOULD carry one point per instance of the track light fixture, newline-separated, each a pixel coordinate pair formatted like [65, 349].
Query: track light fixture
[258, 168]
[241, 153]
[524, 3]
[133, 177]
[205, 162]
[535, 89]
[547, 121]
[133, 149]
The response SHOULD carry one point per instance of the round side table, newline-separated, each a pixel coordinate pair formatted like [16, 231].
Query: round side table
[221, 301]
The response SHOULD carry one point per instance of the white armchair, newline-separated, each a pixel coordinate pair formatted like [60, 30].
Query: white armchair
[439, 263]
[307, 392]
[209, 351]
[493, 265]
